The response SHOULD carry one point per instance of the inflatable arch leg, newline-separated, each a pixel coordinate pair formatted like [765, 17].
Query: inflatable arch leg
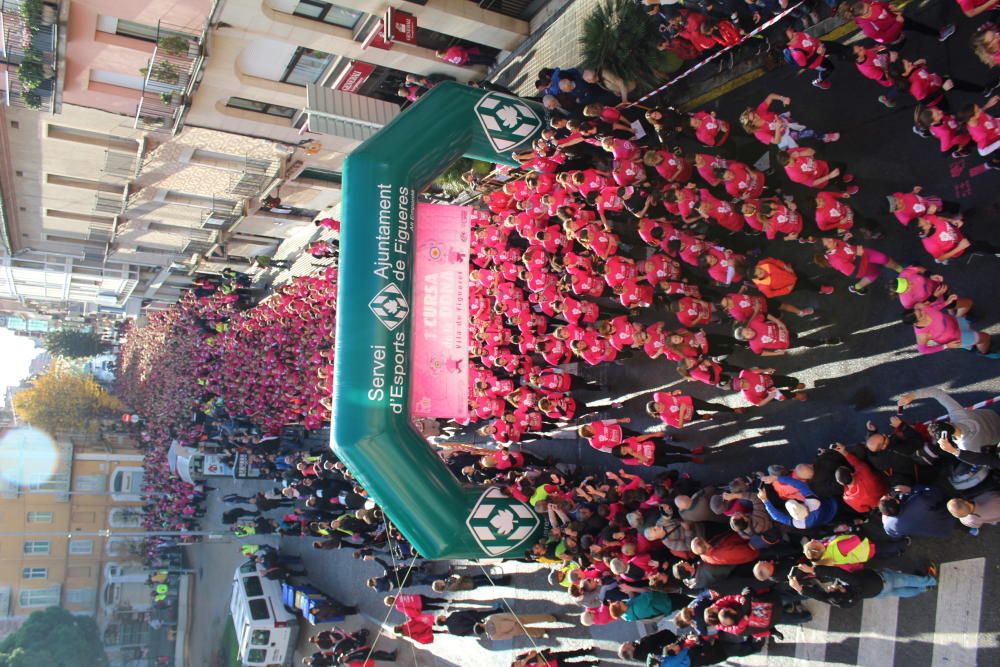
[441, 517]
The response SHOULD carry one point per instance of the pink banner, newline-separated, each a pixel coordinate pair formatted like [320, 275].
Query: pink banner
[439, 385]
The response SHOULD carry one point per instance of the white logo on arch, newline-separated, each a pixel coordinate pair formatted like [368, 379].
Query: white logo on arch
[507, 121]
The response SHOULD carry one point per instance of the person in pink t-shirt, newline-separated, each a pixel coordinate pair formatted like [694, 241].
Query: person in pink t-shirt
[654, 450]
[606, 434]
[951, 135]
[803, 167]
[855, 261]
[760, 386]
[908, 206]
[915, 285]
[937, 328]
[941, 238]
[677, 409]
[766, 335]
[770, 128]
[464, 57]
[984, 130]
[708, 128]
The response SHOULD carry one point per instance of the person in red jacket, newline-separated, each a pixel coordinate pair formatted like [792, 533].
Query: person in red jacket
[863, 485]
[727, 549]
[747, 614]
[419, 628]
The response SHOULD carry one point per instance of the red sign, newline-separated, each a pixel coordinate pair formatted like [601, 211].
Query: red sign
[377, 38]
[355, 75]
[399, 26]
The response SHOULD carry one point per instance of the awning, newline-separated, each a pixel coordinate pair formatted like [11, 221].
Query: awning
[184, 469]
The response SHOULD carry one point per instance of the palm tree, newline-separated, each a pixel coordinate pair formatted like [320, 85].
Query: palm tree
[619, 43]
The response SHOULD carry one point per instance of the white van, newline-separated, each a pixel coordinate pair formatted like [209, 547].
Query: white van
[265, 630]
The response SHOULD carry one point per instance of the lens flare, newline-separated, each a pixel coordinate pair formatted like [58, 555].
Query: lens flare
[27, 456]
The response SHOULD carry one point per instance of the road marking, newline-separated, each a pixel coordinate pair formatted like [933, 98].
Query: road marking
[878, 632]
[959, 603]
[719, 91]
[811, 640]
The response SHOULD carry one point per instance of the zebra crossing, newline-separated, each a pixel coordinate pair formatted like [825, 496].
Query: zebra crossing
[895, 632]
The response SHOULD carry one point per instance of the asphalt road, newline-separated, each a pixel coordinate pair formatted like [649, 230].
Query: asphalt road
[849, 384]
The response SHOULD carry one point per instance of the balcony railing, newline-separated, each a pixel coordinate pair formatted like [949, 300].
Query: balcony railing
[221, 216]
[255, 177]
[28, 41]
[519, 9]
[169, 78]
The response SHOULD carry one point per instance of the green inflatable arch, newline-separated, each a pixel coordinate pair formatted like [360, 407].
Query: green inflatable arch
[441, 517]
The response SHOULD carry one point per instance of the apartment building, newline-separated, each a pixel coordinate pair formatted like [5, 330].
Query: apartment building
[141, 142]
[106, 209]
[65, 538]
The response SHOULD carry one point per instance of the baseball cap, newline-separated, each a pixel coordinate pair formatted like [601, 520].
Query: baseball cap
[796, 510]
[902, 284]
[892, 203]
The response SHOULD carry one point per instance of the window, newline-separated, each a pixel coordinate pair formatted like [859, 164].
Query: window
[125, 517]
[248, 567]
[133, 29]
[35, 573]
[37, 548]
[126, 483]
[81, 597]
[260, 637]
[84, 482]
[306, 66]
[40, 517]
[322, 175]
[253, 588]
[119, 79]
[39, 597]
[48, 482]
[261, 107]
[86, 184]
[91, 138]
[328, 13]
[81, 547]
[257, 655]
[258, 609]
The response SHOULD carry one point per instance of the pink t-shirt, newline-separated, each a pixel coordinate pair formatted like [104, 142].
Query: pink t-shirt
[607, 435]
[920, 287]
[673, 407]
[832, 213]
[745, 306]
[770, 335]
[944, 238]
[805, 169]
[757, 386]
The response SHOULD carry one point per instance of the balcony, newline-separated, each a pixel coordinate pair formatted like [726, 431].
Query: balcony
[28, 53]
[255, 176]
[170, 77]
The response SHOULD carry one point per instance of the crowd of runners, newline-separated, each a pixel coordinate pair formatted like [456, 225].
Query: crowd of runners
[629, 233]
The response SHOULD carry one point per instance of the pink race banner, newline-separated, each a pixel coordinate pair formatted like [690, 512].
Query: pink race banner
[439, 384]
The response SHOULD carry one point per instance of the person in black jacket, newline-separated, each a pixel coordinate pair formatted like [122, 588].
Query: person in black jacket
[640, 649]
[903, 455]
[463, 623]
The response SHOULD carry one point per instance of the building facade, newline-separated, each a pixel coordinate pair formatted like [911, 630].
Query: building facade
[66, 538]
[141, 142]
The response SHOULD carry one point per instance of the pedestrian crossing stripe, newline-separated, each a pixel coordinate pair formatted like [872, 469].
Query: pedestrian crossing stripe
[500, 523]
[955, 641]
[507, 121]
